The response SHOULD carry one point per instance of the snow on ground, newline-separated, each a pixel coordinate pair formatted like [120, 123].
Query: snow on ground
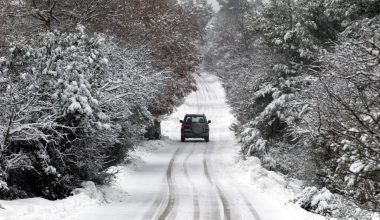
[42, 209]
[168, 179]
[88, 197]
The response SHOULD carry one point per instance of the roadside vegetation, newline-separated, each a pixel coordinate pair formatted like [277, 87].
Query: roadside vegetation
[303, 80]
[81, 81]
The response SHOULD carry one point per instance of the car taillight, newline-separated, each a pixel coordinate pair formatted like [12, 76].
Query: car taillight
[183, 126]
[206, 126]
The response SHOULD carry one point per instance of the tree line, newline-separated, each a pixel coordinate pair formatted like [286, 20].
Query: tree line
[81, 81]
[303, 80]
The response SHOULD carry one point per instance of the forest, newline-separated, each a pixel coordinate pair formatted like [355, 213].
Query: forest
[303, 79]
[82, 81]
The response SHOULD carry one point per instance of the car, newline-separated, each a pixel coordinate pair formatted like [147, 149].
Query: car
[195, 126]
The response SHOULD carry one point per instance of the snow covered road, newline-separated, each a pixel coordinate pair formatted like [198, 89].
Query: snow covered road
[191, 180]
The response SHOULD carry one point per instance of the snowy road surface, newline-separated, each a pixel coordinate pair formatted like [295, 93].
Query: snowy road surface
[191, 180]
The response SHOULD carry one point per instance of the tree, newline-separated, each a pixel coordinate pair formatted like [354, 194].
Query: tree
[346, 113]
[53, 131]
[74, 102]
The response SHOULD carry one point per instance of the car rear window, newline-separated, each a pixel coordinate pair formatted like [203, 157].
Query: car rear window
[195, 119]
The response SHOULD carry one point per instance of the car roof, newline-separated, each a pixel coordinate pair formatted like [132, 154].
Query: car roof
[192, 115]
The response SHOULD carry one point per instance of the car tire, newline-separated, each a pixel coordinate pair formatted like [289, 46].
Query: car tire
[207, 139]
[183, 139]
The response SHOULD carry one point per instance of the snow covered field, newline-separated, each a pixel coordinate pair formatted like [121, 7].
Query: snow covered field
[173, 180]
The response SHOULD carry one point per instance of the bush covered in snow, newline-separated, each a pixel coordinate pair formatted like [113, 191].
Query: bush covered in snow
[318, 201]
[328, 204]
[54, 132]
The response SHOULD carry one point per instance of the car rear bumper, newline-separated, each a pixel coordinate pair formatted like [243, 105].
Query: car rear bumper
[193, 135]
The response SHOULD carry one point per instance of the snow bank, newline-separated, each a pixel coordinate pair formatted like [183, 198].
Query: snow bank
[42, 209]
[269, 182]
[89, 197]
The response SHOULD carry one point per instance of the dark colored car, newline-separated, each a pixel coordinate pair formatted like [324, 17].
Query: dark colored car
[195, 126]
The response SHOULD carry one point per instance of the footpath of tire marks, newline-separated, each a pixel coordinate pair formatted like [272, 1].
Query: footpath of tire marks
[249, 205]
[251, 209]
[200, 108]
[208, 91]
[227, 213]
[204, 88]
[160, 199]
[196, 211]
[204, 92]
[225, 204]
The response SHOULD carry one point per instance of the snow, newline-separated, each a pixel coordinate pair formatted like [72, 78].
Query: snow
[357, 166]
[321, 201]
[322, 198]
[278, 41]
[2, 60]
[355, 130]
[50, 170]
[107, 126]
[75, 106]
[208, 180]
[102, 116]
[288, 35]
[3, 185]
[42, 209]
[215, 4]
[376, 216]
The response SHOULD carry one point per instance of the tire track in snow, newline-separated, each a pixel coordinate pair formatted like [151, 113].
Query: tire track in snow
[196, 214]
[213, 96]
[197, 100]
[250, 207]
[153, 208]
[169, 178]
[202, 87]
[199, 92]
[159, 200]
[225, 204]
[208, 91]
[204, 93]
